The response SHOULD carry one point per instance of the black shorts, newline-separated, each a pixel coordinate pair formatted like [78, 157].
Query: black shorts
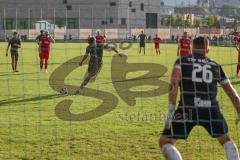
[142, 45]
[94, 66]
[185, 119]
[14, 55]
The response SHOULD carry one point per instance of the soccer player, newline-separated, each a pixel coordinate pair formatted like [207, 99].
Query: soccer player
[45, 46]
[157, 41]
[184, 46]
[142, 42]
[100, 39]
[39, 36]
[96, 54]
[197, 77]
[15, 43]
[237, 39]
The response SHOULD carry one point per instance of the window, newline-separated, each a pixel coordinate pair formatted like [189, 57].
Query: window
[142, 6]
[133, 10]
[130, 3]
[111, 20]
[113, 3]
[104, 22]
[123, 21]
[69, 7]
[64, 1]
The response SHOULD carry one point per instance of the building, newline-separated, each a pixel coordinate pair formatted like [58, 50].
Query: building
[75, 14]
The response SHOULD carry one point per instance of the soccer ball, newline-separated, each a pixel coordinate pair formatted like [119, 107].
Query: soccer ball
[64, 91]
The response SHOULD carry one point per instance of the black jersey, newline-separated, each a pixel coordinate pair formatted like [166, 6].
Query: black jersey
[13, 42]
[96, 52]
[198, 84]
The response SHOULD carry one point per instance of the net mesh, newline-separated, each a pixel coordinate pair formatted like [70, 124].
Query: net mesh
[129, 124]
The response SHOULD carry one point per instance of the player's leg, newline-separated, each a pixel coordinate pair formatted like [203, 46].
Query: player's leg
[230, 148]
[41, 61]
[217, 127]
[93, 69]
[238, 65]
[16, 62]
[169, 151]
[182, 124]
[144, 50]
[140, 49]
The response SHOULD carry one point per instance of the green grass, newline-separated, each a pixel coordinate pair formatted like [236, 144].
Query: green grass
[30, 130]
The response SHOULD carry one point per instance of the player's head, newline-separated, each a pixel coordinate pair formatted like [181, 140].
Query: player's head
[185, 34]
[142, 32]
[15, 34]
[42, 32]
[47, 33]
[156, 35]
[201, 45]
[91, 40]
[98, 33]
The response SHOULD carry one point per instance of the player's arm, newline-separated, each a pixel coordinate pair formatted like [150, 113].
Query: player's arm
[174, 84]
[37, 39]
[233, 95]
[238, 47]
[84, 57]
[52, 40]
[172, 94]
[8, 48]
[231, 92]
[178, 50]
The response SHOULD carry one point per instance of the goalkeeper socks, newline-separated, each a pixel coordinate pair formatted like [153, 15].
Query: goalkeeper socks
[231, 151]
[85, 82]
[170, 152]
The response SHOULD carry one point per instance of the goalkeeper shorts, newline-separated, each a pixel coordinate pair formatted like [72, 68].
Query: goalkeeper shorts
[186, 118]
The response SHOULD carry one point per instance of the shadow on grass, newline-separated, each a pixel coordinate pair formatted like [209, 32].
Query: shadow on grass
[33, 99]
[17, 74]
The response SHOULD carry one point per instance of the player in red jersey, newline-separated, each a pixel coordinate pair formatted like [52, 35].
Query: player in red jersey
[100, 39]
[157, 41]
[184, 46]
[45, 44]
[237, 40]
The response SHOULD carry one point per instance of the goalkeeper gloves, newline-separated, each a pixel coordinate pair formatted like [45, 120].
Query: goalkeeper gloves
[169, 116]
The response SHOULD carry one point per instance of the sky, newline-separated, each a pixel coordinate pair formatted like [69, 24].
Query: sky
[174, 2]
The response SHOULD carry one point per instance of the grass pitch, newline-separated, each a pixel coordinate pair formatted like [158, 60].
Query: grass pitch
[30, 130]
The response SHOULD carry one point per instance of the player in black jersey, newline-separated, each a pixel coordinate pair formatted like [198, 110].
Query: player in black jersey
[15, 44]
[197, 77]
[96, 54]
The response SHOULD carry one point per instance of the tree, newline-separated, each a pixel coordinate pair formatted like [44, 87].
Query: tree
[198, 23]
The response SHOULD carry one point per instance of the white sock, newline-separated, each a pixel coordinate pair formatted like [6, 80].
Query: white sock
[170, 152]
[231, 151]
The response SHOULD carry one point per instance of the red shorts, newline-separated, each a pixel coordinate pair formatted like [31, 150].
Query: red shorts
[44, 55]
[184, 53]
[157, 46]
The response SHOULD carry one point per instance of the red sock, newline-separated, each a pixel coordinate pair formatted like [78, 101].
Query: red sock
[41, 64]
[46, 63]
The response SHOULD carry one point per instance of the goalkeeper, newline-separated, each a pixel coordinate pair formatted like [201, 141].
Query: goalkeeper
[198, 76]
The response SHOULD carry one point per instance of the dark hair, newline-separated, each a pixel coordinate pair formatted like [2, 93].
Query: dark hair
[41, 31]
[15, 33]
[91, 40]
[200, 43]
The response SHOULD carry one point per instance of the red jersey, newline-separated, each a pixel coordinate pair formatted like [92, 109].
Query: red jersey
[45, 43]
[157, 40]
[100, 39]
[185, 46]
